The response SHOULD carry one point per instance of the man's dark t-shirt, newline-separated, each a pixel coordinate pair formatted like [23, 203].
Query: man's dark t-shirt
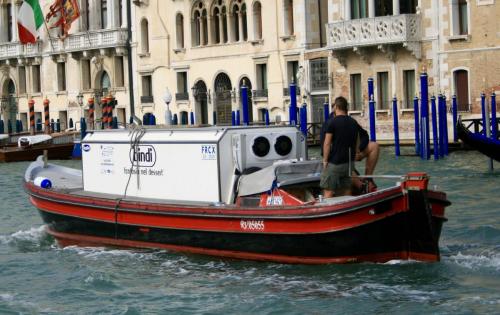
[345, 135]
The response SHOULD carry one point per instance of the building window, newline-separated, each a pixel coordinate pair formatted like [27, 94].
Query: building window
[84, 15]
[319, 74]
[462, 17]
[383, 90]
[461, 80]
[236, 23]
[199, 30]
[37, 86]
[182, 87]
[61, 76]
[261, 76]
[288, 14]
[104, 13]
[291, 68]
[383, 7]
[120, 12]
[179, 30]
[356, 94]
[86, 79]
[359, 9]
[408, 6]
[409, 88]
[119, 72]
[257, 20]
[22, 79]
[10, 28]
[147, 89]
[144, 36]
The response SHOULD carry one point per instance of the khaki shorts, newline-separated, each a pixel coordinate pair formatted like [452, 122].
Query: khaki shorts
[336, 178]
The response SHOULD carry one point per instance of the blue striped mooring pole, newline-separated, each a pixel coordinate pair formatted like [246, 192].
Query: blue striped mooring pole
[244, 103]
[233, 118]
[396, 125]
[293, 104]
[494, 123]
[445, 126]
[191, 115]
[435, 140]
[266, 116]
[417, 125]
[238, 119]
[424, 117]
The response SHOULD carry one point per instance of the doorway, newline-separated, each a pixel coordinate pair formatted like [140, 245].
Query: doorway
[223, 99]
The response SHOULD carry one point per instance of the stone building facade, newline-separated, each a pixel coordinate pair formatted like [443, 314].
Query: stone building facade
[203, 51]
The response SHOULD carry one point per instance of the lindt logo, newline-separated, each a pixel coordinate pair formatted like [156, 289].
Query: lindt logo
[143, 155]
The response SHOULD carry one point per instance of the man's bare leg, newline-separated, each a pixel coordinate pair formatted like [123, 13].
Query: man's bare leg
[371, 152]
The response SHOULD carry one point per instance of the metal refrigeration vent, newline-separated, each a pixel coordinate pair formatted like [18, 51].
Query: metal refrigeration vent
[283, 145]
[261, 146]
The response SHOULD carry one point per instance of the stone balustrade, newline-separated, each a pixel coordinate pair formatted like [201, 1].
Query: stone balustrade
[13, 50]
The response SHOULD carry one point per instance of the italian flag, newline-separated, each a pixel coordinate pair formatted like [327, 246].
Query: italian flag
[29, 20]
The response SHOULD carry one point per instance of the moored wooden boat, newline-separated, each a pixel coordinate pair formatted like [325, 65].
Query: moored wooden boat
[29, 148]
[275, 214]
[487, 146]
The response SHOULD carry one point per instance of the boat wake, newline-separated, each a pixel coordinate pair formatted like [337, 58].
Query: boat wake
[36, 237]
[487, 259]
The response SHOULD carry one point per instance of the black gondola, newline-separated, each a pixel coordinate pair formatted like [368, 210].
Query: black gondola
[477, 141]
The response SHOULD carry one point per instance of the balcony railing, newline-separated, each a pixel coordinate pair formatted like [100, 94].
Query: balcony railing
[259, 93]
[91, 40]
[374, 31]
[17, 50]
[181, 96]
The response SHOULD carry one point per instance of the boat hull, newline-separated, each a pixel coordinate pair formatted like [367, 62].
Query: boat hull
[54, 151]
[391, 225]
[487, 146]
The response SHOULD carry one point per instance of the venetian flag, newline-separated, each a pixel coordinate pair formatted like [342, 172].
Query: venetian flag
[29, 21]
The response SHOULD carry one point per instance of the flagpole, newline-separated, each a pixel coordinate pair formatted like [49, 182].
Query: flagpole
[48, 33]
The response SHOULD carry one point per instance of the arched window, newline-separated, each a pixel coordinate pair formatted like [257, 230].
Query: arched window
[144, 36]
[236, 23]
[105, 82]
[244, 21]
[288, 16]
[199, 24]
[257, 20]
[179, 30]
[219, 20]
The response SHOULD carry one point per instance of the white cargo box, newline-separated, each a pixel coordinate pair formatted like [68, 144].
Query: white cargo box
[184, 165]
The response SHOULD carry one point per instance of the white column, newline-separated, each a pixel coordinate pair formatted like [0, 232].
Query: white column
[229, 19]
[240, 23]
[395, 7]
[202, 31]
[347, 7]
[94, 14]
[210, 29]
[15, 9]
[371, 8]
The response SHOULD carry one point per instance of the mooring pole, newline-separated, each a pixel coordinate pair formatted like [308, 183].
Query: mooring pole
[483, 113]
[31, 106]
[435, 127]
[244, 102]
[494, 123]
[416, 116]
[445, 127]
[424, 111]
[303, 119]
[371, 109]
[266, 117]
[238, 119]
[326, 110]
[214, 118]
[396, 125]
[293, 103]
[454, 109]
[441, 125]
[233, 118]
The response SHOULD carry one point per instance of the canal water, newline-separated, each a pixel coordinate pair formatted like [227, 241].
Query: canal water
[38, 277]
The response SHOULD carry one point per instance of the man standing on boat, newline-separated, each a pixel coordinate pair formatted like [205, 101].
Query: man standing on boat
[339, 150]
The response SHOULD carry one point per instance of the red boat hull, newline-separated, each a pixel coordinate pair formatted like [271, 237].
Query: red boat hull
[391, 224]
